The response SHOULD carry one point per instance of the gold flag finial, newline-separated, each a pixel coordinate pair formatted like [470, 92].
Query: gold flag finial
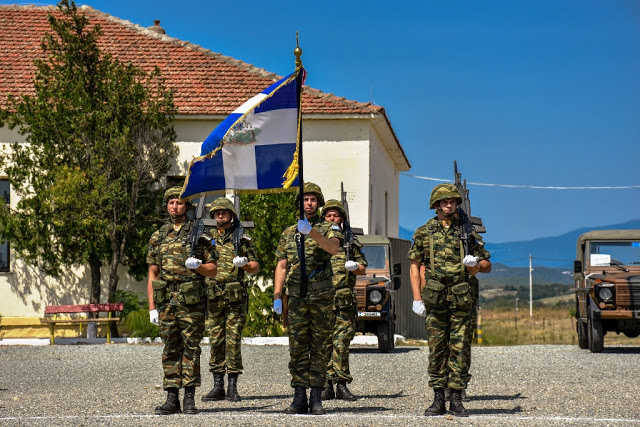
[298, 53]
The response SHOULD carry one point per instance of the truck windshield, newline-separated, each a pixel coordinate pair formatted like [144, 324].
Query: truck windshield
[614, 253]
[376, 256]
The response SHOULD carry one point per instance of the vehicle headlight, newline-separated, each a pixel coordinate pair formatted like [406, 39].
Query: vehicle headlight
[605, 294]
[375, 296]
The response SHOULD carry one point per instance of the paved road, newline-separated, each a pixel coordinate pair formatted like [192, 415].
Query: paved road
[119, 384]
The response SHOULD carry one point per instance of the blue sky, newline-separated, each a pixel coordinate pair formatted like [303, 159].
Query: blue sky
[537, 92]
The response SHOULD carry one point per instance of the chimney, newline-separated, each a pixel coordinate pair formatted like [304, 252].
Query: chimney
[157, 28]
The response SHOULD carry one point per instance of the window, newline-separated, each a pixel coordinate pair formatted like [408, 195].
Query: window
[4, 246]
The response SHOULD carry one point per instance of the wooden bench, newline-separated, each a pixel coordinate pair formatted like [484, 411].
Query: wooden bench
[56, 310]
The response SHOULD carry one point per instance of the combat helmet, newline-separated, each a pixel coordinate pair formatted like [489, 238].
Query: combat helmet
[222, 203]
[172, 193]
[310, 187]
[334, 204]
[444, 192]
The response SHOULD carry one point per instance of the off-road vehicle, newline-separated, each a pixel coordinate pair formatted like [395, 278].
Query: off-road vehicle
[607, 278]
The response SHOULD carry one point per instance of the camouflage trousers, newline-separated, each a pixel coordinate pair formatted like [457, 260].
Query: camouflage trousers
[181, 330]
[338, 349]
[447, 329]
[311, 321]
[225, 325]
[469, 338]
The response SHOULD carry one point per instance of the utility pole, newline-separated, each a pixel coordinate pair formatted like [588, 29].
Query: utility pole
[530, 288]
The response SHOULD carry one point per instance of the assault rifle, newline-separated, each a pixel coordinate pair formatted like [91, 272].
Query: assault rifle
[197, 227]
[348, 232]
[468, 224]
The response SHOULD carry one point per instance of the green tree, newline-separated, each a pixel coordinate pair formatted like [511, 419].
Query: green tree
[99, 139]
[271, 214]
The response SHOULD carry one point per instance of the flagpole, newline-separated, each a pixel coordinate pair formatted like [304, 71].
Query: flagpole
[298, 53]
[301, 252]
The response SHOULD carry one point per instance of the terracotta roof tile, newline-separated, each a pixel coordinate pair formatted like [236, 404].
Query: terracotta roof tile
[204, 82]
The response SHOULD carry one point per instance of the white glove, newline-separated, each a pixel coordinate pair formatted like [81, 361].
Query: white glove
[277, 306]
[303, 226]
[153, 317]
[419, 308]
[470, 261]
[240, 261]
[192, 263]
[351, 265]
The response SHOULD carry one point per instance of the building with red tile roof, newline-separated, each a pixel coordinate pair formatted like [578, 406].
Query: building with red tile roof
[344, 141]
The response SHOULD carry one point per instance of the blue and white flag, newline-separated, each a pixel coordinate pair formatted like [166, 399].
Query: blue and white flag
[253, 148]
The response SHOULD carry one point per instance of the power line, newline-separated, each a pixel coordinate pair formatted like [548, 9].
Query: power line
[539, 187]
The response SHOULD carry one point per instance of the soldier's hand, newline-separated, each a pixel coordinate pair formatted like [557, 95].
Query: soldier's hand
[470, 261]
[419, 308]
[240, 261]
[277, 306]
[351, 265]
[303, 226]
[192, 263]
[153, 317]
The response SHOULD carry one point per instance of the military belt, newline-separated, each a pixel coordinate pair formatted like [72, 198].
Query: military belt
[313, 286]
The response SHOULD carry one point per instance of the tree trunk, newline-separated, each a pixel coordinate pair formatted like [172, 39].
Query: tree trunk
[113, 286]
[94, 293]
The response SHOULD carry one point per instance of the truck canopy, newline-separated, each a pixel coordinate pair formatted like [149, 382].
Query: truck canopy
[373, 239]
[605, 235]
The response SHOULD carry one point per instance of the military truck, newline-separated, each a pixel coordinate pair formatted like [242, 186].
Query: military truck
[607, 286]
[388, 269]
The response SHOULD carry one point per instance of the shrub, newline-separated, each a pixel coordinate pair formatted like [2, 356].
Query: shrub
[138, 324]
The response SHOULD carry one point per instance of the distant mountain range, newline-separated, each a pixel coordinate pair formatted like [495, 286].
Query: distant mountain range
[554, 252]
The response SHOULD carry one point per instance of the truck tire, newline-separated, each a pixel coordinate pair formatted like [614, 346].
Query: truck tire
[583, 333]
[385, 333]
[596, 335]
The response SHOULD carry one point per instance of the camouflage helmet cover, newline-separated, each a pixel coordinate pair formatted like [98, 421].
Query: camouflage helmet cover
[222, 203]
[334, 204]
[444, 192]
[311, 188]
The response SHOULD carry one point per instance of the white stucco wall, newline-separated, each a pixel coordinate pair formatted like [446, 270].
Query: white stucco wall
[335, 150]
[384, 179]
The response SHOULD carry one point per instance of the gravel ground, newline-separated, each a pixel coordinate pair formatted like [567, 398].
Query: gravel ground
[119, 384]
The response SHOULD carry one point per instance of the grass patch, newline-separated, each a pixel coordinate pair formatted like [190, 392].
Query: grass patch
[546, 326]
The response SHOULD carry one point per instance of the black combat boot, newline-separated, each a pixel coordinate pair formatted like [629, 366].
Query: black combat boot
[315, 401]
[463, 395]
[455, 405]
[299, 404]
[437, 407]
[232, 389]
[342, 392]
[328, 393]
[217, 392]
[189, 401]
[447, 394]
[172, 405]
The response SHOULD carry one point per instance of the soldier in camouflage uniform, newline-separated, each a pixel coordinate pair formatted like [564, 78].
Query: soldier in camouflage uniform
[447, 295]
[175, 289]
[345, 307]
[311, 316]
[228, 299]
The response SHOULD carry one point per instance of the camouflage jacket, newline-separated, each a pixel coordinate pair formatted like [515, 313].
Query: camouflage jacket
[227, 272]
[337, 264]
[169, 249]
[315, 256]
[447, 250]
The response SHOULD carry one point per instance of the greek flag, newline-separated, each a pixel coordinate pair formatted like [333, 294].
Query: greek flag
[254, 149]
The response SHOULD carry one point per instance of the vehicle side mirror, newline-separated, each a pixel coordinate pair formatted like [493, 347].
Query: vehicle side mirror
[577, 266]
[397, 269]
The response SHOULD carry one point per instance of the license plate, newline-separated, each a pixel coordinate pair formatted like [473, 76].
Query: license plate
[370, 314]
